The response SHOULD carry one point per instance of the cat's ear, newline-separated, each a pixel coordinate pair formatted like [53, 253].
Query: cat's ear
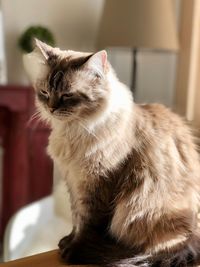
[98, 63]
[45, 49]
[35, 63]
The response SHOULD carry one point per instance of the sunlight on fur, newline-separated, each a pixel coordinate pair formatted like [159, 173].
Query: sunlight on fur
[132, 170]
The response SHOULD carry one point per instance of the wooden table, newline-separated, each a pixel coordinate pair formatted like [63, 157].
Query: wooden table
[47, 259]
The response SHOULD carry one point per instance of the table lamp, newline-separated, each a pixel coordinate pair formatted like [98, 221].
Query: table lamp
[138, 24]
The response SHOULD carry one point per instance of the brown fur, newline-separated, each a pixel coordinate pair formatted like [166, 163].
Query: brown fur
[132, 170]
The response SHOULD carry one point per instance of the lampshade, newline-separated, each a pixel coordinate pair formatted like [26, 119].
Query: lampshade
[138, 24]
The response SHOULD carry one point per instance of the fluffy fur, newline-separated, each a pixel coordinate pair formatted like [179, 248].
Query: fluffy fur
[132, 170]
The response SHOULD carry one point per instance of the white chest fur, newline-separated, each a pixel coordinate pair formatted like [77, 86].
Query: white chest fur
[69, 166]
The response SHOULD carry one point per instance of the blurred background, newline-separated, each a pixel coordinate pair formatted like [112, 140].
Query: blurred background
[154, 46]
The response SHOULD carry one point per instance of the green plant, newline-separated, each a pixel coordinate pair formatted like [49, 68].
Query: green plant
[26, 41]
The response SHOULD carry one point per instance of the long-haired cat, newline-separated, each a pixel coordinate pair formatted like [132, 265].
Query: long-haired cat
[132, 170]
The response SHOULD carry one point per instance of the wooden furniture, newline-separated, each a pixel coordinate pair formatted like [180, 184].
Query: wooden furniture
[49, 259]
[27, 170]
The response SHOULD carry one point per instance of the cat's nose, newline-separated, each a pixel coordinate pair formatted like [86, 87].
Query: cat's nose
[52, 109]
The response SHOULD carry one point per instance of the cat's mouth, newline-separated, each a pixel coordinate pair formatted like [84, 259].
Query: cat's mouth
[61, 115]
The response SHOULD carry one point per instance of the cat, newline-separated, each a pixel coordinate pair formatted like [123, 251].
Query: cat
[132, 170]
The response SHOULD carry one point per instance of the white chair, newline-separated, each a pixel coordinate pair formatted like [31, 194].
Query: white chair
[38, 227]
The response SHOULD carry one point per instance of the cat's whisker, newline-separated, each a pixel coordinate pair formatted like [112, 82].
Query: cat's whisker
[36, 115]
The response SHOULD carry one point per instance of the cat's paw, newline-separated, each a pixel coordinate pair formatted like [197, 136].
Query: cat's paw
[68, 252]
[74, 254]
[71, 257]
[65, 243]
[81, 253]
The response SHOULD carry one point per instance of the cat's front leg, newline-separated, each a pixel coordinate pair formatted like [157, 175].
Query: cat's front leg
[66, 244]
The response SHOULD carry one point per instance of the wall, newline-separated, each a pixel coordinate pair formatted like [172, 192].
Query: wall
[75, 25]
[196, 112]
[3, 74]
[188, 78]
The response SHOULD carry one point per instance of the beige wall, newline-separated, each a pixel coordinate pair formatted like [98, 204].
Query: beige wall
[74, 24]
[188, 79]
[196, 112]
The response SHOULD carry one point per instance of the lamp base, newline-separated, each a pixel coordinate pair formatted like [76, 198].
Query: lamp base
[134, 71]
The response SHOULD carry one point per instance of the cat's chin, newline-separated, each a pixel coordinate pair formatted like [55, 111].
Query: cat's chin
[61, 117]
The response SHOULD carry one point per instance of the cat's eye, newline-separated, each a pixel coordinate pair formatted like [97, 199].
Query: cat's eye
[67, 96]
[44, 93]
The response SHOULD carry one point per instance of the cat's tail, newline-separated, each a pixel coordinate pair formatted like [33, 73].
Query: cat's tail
[182, 256]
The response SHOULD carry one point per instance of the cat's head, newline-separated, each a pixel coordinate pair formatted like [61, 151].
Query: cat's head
[69, 85]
